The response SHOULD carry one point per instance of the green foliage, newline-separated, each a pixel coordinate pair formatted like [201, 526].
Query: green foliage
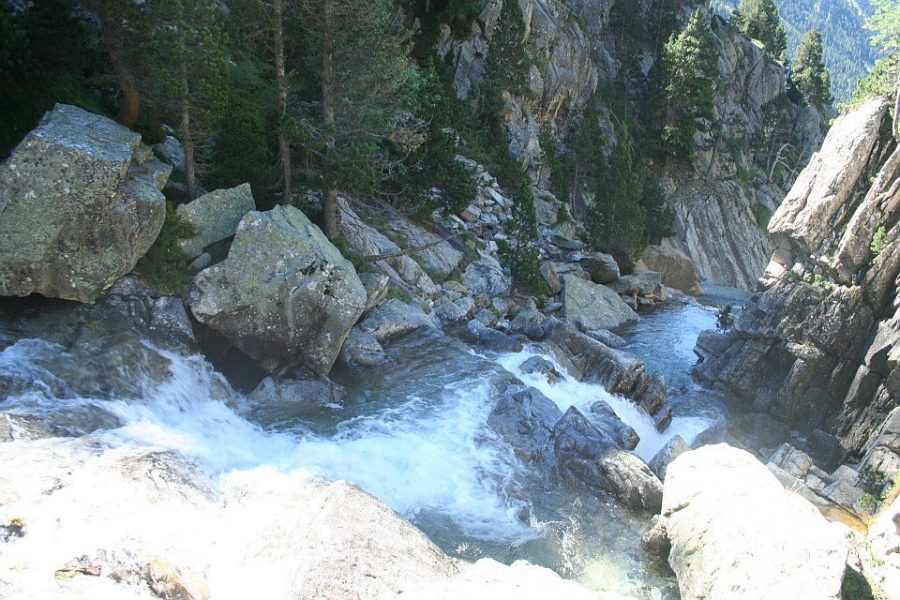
[885, 28]
[763, 215]
[48, 54]
[725, 319]
[809, 74]
[687, 79]
[243, 149]
[433, 164]
[165, 265]
[759, 20]
[659, 222]
[508, 62]
[616, 219]
[848, 55]
[879, 241]
[521, 255]
[559, 177]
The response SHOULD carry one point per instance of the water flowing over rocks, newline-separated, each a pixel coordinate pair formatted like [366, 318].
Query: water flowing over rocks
[285, 296]
[736, 533]
[80, 203]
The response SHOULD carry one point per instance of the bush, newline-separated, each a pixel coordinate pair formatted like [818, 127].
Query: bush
[521, 255]
[763, 216]
[165, 265]
[879, 241]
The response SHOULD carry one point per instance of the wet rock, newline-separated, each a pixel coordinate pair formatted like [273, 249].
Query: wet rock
[607, 337]
[215, 217]
[530, 322]
[602, 268]
[493, 339]
[586, 456]
[19, 427]
[525, 419]
[537, 364]
[393, 319]
[285, 296]
[604, 418]
[736, 533]
[81, 204]
[594, 306]
[675, 267]
[361, 349]
[618, 372]
[301, 393]
[672, 450]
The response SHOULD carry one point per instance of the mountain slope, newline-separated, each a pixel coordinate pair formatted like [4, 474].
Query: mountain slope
[848, 54]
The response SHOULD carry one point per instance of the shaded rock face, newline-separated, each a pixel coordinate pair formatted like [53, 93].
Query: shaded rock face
[817, 349]
[285, 296]
[525, 419]
[560, 87]
[736, 533]
[80, 203]
[215, 216]
[594, 306]
[587, 456]
[676, 269]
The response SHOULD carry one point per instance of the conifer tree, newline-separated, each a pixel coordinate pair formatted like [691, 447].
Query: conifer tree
[759, 20]
[688, 73]
[809, 75]
[521, 255]
[507, 61]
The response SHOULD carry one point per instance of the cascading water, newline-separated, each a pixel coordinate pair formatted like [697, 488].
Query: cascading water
[413, 435]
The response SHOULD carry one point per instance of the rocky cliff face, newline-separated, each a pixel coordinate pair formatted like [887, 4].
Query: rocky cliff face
[574, 51]
[817, 349]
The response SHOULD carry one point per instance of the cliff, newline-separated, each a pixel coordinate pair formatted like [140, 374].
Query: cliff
[817, 348]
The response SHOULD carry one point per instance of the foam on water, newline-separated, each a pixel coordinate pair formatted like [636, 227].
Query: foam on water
[571, 392]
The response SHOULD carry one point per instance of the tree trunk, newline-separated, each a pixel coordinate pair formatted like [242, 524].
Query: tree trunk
[187, 139]
[281, 85]
[131, 104]
[329, 199]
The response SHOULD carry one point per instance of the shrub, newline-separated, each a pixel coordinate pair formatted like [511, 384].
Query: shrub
[879, 241]
[521, 254]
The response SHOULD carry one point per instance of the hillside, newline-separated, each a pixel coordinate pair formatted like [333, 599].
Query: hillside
[847, 50]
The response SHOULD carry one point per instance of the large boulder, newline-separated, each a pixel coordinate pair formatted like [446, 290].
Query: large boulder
[80, 203]
[525, 418]
[215, 216]
[602, 268]
[393, 319]
[676, 268]
[594, 306]
[285, 296]
[736, 533]
[587, 456]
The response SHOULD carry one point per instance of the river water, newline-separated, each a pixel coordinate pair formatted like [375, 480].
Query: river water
[414, 435]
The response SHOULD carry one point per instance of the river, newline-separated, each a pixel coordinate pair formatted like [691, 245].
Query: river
[414, 435]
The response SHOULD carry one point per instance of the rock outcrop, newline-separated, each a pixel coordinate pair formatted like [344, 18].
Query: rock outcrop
[215, 217]
[80, 203]
[676, 269]
[736, 533]
[817, 349]
[593, 306]
[285, 296]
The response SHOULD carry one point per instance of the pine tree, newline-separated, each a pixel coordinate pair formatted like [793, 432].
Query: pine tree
[809, 74]
[688, 73]
[521, 255]
[358, 59]
[617, 218]
[759, 20]
[507, 62]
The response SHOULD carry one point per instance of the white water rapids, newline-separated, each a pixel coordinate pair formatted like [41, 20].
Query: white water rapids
[415, 438]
